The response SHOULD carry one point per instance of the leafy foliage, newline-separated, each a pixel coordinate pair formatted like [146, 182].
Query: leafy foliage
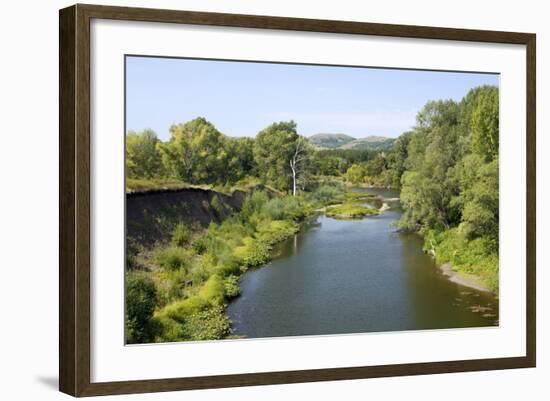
[140, 305]
[181, 235]
[142, 157]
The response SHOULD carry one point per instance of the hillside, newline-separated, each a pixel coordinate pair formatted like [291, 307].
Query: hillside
[343, 141]
[330, 141]
[371, 143]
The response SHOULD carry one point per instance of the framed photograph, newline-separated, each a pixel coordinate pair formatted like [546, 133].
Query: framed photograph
[250, 200]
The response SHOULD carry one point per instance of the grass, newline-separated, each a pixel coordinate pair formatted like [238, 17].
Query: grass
[172, 258]
[144, 185]
[478, 257]
[350, 210]
[360, 196]
[181, 235]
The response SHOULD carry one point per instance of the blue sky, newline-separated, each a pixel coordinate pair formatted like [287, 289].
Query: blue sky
[241, 98]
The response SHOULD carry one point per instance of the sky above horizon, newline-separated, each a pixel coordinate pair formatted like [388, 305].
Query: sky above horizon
[242, 98]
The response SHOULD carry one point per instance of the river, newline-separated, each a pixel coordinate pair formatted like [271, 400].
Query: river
[354, 276]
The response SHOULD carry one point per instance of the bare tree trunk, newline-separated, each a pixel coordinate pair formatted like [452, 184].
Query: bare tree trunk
[293, 168]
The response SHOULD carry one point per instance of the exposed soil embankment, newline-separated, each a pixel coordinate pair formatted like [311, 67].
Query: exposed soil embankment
[152, 215]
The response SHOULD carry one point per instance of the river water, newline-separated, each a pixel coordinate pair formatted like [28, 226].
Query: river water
[354, 276]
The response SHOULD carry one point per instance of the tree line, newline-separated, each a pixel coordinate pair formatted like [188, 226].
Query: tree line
[197, 153]
[447, 171]
[446, 167]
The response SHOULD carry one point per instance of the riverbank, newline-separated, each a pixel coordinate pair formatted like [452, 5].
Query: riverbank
[462, 279]
[475, 259]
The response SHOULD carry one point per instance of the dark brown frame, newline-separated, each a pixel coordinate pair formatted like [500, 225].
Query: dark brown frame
[74, 199]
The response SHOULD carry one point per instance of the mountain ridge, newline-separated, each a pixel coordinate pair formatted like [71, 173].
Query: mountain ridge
[344, 141]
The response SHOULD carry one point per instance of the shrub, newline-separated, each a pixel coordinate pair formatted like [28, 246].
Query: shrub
[287, 208]
[254, 203]
[217, 205]
[169, 329]
[181, 235]
[199, 245]
[253, 253]
[172, 258]
[140, 305]
[231, 285]
[213, 290]
[478, 257]
[271, 232]
[179, 310]
[209, 324]
[327, 193]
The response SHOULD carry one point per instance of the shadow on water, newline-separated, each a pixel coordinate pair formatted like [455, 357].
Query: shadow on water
[341, 276]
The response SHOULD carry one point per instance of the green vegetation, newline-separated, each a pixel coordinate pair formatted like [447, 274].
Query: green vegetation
[350, 211]
[149, 184]
[140, 305]
[181, 235]
[477, 257]
[192, 278]
[178, 287]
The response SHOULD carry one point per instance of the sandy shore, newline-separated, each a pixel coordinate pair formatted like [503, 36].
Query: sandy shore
[462, 279]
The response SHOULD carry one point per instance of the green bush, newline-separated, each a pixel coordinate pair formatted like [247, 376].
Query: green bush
[477, 257]
[179, 310]
[170, 330]
[253, 203]
[289, 207]
[271, 232]
[213, 290]
[232, 289]
[217, 205]
[199, 245]
[172, 258]
[252, 253]
[327, 193]
[209, 324]
[140, 305]
[181, 235]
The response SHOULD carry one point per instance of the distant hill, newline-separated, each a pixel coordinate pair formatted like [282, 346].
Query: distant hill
[330, 141]
[343, 141]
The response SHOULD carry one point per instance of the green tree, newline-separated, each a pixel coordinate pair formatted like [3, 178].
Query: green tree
[240, 163]
[195, 153]
[283, 157]
[142, 157]
[484, 124]
[480, 198]
[399, 156]
[430, 184]
[356, 173]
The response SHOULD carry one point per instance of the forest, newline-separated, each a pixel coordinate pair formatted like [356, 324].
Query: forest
[445, 167]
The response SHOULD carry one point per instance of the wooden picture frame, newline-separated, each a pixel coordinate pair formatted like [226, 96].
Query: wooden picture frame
[74, 203]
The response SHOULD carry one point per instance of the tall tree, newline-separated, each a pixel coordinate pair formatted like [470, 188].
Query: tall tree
[282, 156]
[299, 158]
[195, 153]
[484, 124]
[240, 161]
[142, 157]
[430, 184]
